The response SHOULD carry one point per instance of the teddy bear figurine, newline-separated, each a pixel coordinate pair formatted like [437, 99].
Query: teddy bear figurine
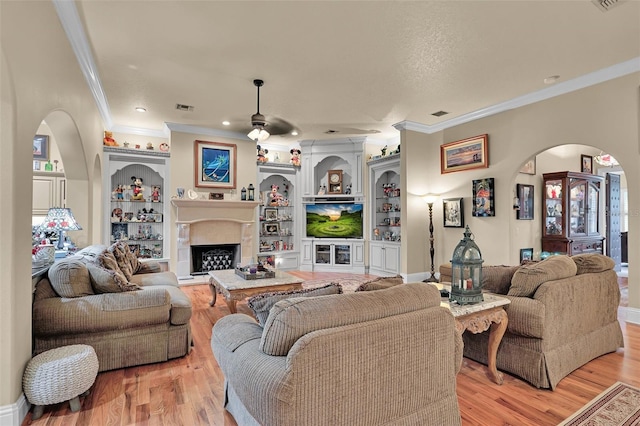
[295, 157]
[137, 188]
[108, 139]
[262, 154]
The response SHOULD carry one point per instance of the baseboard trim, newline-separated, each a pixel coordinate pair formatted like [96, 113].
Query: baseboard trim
[633, 315]
[15, 413]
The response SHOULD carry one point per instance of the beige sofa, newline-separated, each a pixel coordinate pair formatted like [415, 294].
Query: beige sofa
[131, 317]
[563, 314]
[367, 358]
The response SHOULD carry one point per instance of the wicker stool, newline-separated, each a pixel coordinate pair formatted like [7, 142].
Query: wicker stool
[58, 375]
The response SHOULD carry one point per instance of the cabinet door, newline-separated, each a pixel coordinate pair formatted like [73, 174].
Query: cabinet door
[342, 254]
[376, 256]
[578, 207]
[44, 194]
[322, 253]
[392, 259]
[592, 209]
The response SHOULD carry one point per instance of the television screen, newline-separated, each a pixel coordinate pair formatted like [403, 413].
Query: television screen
[334, 220]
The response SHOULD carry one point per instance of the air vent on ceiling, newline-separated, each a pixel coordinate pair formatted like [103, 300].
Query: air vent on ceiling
[439, 113]
[182, 107]
[605, 5]
[328, 132]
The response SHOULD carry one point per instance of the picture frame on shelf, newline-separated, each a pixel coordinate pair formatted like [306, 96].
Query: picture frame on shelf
[36, 164]
[529, 168]
[215, 164]
[453, 212]
[586, 163]
[525, 195]
[526, 254]
[41, 147]
[270, 214]
[466, 154]
[267, 261]
[271, 228]
[483, 198]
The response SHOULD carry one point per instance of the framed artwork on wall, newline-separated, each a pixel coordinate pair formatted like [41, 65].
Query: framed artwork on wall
[483, 198]
[453, 213]
[586, 163]
[529, 168]
[466, 154]
[41, 147]
[525, 194]
[215, 164]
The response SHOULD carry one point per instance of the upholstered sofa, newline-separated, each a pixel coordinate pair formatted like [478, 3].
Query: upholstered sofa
[129, 311]
[563, 314]
[366, 358]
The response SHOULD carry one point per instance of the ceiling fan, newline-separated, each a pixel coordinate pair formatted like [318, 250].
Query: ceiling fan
[262, 127]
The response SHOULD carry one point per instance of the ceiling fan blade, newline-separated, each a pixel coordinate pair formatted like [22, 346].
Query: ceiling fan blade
[277, 126]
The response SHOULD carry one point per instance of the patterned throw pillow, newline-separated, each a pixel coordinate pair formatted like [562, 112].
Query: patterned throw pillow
[104, 280]
[119, 251]
[108, 261]
[261, 304]
[380, 283]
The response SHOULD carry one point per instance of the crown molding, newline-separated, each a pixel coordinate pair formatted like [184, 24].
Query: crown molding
[156, 133]
[187, 128]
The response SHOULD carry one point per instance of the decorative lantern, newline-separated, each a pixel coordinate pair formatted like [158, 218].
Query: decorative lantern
[466, 276]
[250, 191]
[243, 194]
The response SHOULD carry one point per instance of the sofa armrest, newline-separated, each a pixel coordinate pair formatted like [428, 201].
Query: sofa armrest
[578, 305]
[100, 312]
[526, 316]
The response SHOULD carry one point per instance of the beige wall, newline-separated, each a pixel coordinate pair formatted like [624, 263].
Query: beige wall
[604, 117]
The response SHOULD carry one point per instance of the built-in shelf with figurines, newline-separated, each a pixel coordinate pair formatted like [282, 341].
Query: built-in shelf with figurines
[137, 200]
[386, 210]
[278, 225]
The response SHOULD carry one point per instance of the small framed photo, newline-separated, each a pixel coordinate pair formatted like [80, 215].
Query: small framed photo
[267, 261]
[453, 213]
[529, 168]
[41, 147]
[36, 164]
[586, 163]
[270, 229]
[483, 198]
[270, 214]
[525, 194]
[526, 254]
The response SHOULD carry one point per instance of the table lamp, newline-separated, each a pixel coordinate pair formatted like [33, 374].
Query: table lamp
[59, 219]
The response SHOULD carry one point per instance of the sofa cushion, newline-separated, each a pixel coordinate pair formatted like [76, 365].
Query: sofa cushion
[497, 279]
[157, 278]
[380, 283]
[107, 260]
[592, 262]
[528, 278]
[104, 280]
[261, 304]
[290, 319]
[69, 277]
[180, 304]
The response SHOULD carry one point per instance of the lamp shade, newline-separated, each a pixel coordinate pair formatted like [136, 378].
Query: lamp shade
[258, 134]
[430, 198]
[59, 219]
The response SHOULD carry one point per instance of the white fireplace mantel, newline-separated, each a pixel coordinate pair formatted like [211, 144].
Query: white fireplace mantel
[212, 204]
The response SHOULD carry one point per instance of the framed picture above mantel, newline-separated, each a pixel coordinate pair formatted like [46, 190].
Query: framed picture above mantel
[215, 164]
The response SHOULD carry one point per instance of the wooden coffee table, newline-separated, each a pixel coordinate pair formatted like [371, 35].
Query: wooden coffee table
[235, 288]
[479, 317]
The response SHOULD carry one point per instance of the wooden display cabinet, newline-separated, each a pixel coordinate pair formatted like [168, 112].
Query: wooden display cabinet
[571, 213]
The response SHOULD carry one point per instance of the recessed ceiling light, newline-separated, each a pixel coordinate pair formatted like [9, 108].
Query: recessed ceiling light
[225, 123]
[294, 133]
[552, 79]
[141, 109]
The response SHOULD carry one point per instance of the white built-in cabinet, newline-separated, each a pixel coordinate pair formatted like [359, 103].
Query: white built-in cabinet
[143, 223]
[385, 230]
[319, 159]
[278, 215]
[49, 190]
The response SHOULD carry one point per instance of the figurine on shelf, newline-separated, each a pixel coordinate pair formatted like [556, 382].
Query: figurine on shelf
[274, 196]
[149, 145]
[262, 154]
[347, 189]
[108, 139]
[137, 188]
[155, 194]
[322, 190]
[118, 192]
[295, 157]
[164, 147]
[383, 150]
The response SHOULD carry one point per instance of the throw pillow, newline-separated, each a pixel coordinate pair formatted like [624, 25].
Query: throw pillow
[108, 261]
[380, 283]
[119, 251]
[104, 280]
[69, 277]
[592, 262]
[528, 278]
[497, 279]
[261, 304]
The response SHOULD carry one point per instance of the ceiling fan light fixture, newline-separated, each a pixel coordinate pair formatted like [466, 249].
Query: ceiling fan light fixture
[258, 134]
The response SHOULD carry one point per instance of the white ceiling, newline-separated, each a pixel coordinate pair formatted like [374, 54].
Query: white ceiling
[356, 67]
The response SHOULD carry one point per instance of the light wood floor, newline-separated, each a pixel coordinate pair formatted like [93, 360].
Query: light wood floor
[188, 391]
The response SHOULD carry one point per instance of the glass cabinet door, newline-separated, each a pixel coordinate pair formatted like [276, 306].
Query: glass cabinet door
[592, 211]
[323, 253]
[577, 206]
[553, 208]
[342, 254]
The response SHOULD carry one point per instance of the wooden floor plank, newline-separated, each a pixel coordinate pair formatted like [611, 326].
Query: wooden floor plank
[190, 390]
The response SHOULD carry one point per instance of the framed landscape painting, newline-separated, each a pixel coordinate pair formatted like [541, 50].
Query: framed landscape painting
[467, 154]
[215, 165]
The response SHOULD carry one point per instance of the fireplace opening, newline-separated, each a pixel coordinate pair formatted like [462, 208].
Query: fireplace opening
[217, 257]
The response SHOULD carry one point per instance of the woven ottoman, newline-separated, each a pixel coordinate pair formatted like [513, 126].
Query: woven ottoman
[59, 375]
